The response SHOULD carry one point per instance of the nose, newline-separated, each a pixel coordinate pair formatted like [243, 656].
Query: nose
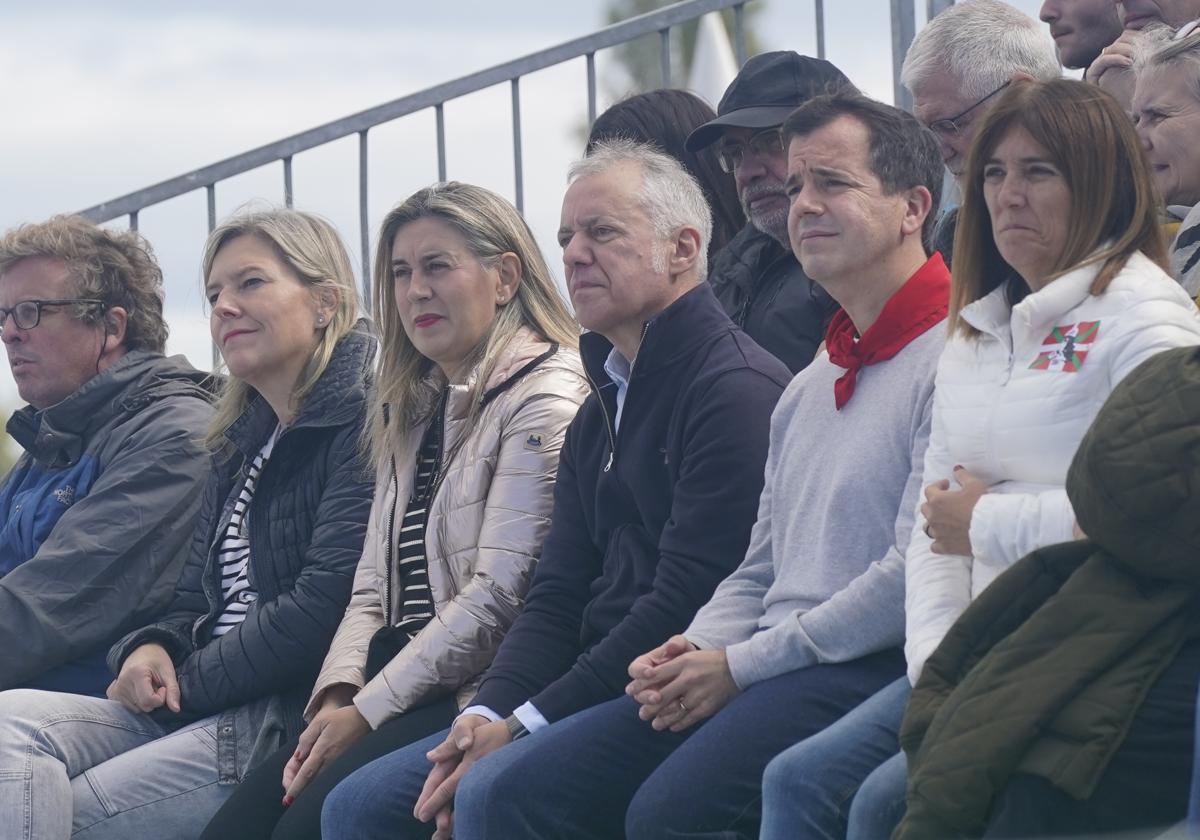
[576, 252]
[1049, 12]
[1011, 192]
[1143, 133]
[225, 305]
[748, 169]
[418, 286]
[9, 331]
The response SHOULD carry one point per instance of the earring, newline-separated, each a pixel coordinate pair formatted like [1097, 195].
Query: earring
[320, 320]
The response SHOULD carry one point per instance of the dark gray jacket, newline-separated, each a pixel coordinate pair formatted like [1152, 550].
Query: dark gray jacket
[765, 292]
[306, 529]
[95, 517]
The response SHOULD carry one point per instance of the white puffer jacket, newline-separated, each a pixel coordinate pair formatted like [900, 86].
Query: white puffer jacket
[1011, 407]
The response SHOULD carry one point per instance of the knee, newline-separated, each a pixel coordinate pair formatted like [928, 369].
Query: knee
[787, 779]
[23, 713]
[655, 812]
[347, 812]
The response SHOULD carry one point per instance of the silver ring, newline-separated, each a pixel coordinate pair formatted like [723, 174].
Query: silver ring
[685, 708]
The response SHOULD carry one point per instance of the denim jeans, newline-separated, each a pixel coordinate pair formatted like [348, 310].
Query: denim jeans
[1193, 823]
[84, 767]
[808, 788]
[604, 769]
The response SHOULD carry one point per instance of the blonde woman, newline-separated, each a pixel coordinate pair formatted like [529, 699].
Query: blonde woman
[221, 680]
[479, 380]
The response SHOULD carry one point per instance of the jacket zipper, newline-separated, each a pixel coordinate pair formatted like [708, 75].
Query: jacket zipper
[387, 582]
[612, 438]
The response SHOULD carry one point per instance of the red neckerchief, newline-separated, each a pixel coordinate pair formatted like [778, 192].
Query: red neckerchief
[918, 305]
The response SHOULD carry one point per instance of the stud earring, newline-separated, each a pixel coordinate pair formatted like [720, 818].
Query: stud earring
[320, 320]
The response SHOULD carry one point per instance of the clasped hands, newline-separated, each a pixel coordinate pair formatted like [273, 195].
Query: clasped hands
[679, 685]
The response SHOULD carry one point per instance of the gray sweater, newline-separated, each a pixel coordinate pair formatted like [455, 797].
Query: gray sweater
[823, 578]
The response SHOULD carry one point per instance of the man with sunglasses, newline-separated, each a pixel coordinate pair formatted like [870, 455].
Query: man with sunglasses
[956, 68]
[94, 514]
[756, 277]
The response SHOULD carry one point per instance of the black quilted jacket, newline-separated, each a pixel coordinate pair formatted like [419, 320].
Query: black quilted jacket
[306, 531]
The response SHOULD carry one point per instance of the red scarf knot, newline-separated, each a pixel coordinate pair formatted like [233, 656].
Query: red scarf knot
[918, 305]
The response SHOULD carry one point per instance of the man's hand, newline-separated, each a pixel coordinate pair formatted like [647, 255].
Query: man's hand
[642, 670]
[470, 739]
[684, 691]
[147, 681]
[332, 730]
[948, 512]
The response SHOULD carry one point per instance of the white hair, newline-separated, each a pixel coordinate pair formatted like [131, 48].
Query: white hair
[1158, 50]
[671, 197]
[981, 44]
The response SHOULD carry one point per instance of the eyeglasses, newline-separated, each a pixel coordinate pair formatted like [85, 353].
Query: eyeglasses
[950, 127]
[27, 314]
[766, 143]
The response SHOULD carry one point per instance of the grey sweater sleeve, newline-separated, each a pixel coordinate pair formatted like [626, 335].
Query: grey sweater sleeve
[865, 617]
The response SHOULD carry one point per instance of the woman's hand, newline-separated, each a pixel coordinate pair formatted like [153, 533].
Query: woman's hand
[147, 680]
[331, 731]
[948, 512]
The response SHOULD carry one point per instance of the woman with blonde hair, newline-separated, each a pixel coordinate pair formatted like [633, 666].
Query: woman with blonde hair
[479, 379]
[220, 681]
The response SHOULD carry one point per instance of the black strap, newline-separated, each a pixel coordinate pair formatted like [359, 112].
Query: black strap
[516, 377]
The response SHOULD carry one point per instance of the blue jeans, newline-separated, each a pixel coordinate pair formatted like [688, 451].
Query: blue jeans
[83, 767]
[604, 769]
[847, 781]
[1194, 811]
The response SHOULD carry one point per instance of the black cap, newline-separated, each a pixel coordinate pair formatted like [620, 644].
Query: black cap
[767, 89]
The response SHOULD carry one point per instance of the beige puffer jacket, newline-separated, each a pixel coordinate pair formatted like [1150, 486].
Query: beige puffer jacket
[484, 534]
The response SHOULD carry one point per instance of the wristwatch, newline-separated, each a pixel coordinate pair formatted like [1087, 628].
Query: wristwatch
[516, 729]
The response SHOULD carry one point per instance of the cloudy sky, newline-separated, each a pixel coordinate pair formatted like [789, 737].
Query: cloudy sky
[101, 99]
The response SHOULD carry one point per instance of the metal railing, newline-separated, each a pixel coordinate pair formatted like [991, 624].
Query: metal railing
[282, 151]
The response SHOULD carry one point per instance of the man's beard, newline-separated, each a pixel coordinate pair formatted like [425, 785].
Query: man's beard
[773, 221]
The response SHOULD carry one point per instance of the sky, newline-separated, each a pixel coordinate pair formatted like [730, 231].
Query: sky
[101, 99]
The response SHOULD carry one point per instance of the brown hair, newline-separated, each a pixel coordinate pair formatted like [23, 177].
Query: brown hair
[1114, 211]
[116, 267]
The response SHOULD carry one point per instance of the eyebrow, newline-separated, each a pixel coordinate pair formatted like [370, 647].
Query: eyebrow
[1024, 160]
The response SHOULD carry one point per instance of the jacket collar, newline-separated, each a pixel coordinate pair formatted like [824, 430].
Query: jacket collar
[694, 319]
[752, 252]
[338, 397]
[523, 349]
[992, 315]
[58, 435]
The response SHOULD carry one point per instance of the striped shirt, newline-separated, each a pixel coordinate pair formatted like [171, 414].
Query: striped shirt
[233, 556]
[416, 603]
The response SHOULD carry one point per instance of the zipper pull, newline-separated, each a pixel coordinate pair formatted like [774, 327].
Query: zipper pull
[608, 466]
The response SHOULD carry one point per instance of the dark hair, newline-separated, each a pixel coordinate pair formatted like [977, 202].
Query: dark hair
[664, 118]
[1114, 206]
[902, 153]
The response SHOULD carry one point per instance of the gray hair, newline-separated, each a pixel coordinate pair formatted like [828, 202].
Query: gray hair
[982, 44]
[1160, 52]
[671, 197]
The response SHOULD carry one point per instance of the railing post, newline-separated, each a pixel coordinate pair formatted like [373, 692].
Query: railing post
[364, 233]
[664, 40]
[516, 123]
[211, 190]
[133, 221]
[904, 29]
[440, 112]
[820, 14]
[287, 182]
[739, 33]
[591, 84]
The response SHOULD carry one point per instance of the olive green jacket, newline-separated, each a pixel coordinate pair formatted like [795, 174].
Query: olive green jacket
[1045, 671]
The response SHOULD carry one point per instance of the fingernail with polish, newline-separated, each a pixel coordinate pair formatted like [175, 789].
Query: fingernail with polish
[288, 800]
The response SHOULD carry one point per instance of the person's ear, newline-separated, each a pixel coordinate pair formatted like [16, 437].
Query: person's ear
[918, 204]
[115, 321]
[508, 277]
[327, 300]
[686, 252]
